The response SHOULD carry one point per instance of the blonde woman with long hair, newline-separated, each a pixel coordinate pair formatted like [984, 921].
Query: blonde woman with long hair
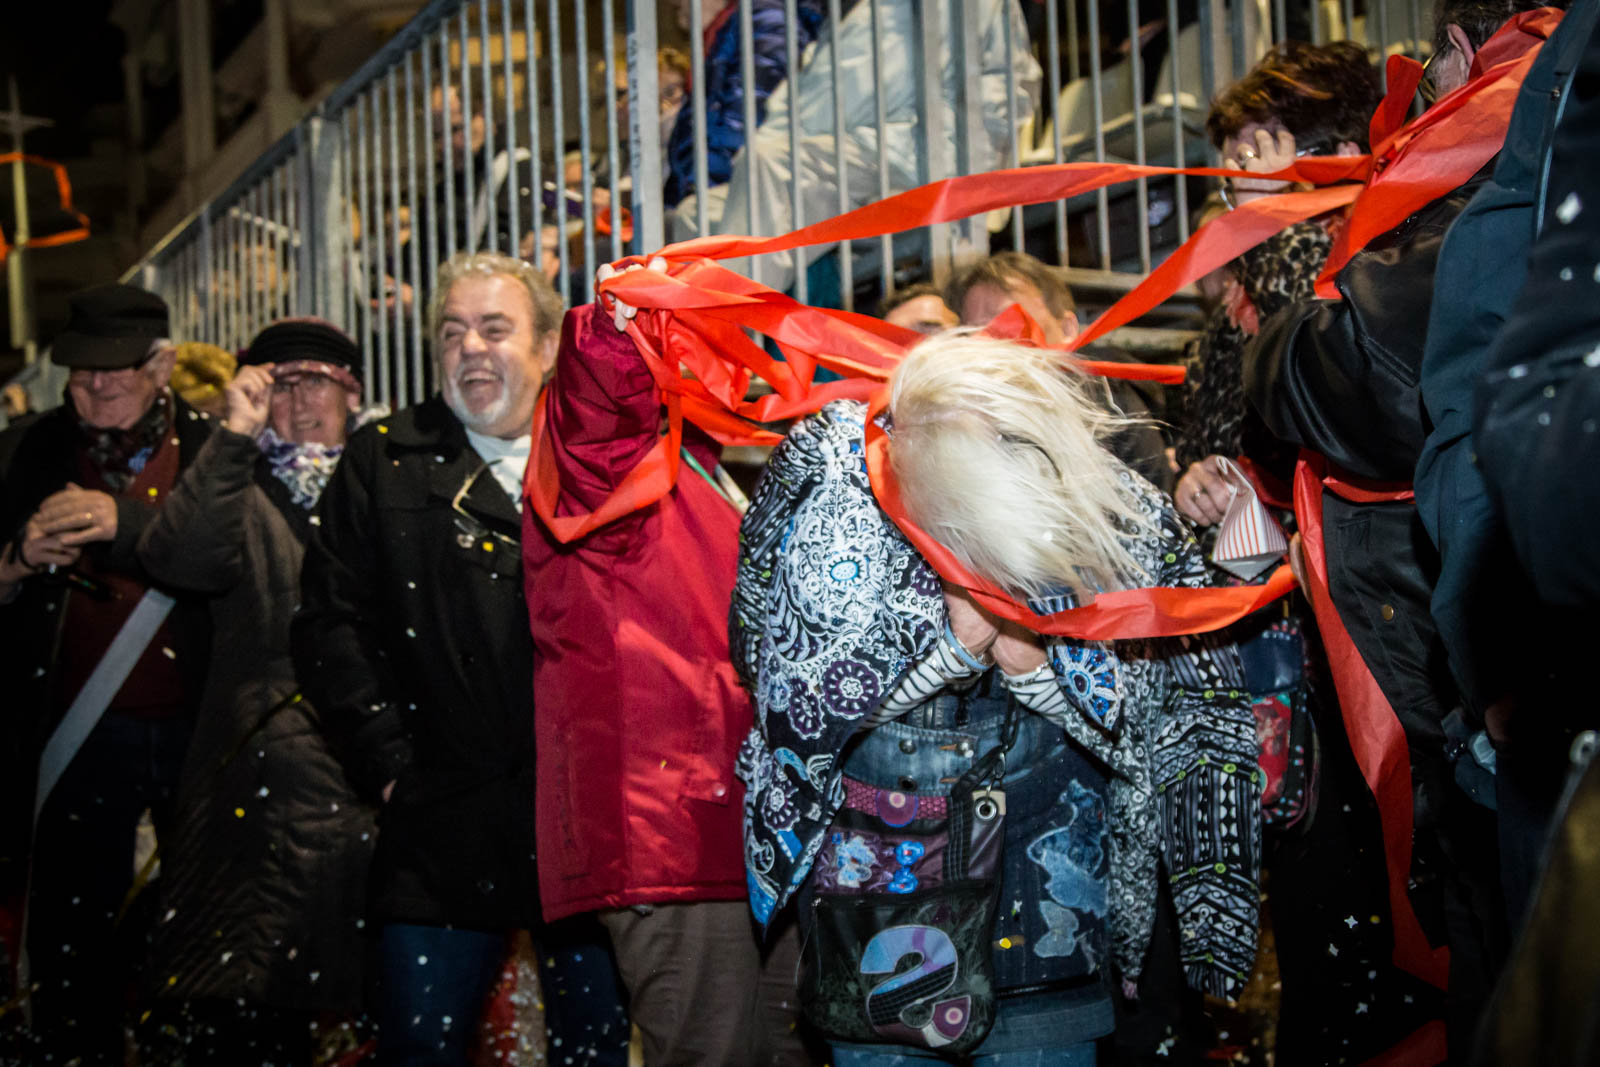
[877, 686]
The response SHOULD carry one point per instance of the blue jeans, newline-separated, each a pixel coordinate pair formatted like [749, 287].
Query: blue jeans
[435, 981]
[1081, 1055]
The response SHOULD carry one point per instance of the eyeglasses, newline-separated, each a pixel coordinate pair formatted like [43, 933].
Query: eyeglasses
[471, 530]
[305, 384]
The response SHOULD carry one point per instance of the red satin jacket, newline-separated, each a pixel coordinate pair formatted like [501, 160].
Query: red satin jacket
[638, 712]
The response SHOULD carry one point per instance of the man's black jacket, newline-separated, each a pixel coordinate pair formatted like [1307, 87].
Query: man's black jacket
[413, 643]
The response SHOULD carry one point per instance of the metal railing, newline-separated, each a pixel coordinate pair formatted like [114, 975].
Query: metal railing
[499, 125]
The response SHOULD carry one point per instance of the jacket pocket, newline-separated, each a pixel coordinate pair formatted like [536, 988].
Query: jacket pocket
[717, 733]
[573, 853]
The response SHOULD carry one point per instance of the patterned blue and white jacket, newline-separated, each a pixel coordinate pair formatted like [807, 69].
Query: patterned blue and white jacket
[834, 609]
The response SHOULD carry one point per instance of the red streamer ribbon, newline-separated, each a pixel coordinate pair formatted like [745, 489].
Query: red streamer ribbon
[1418, 162]
[1150, 612]
[692, 319]
[1376, 737]
[691, 322]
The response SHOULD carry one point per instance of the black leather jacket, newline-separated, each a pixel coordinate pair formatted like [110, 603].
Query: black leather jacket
[1342, 378]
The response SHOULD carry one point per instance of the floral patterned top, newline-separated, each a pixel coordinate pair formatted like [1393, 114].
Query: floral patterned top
[834, 608]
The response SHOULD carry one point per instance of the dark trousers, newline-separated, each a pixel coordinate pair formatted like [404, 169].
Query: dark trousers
[704, 992]
[1342, 996]
[81, 959]
[435, 981]
[225, 1033]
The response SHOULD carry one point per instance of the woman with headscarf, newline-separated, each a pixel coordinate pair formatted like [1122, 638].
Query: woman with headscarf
[259, 939]
[877, 687]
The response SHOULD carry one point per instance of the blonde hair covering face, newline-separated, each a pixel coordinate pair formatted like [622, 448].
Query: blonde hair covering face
[998, 451]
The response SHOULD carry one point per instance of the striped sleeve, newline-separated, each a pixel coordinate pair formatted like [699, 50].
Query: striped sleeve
[946, 665]
[1040, 692]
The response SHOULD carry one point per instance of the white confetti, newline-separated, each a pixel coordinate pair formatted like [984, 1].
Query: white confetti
[1569, 209]
[1350, 921]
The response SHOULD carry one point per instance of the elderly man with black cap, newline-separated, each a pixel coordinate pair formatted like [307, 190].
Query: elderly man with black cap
[264, 871]
[104, 667]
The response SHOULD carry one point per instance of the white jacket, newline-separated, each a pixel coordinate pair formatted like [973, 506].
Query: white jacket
[903, 135]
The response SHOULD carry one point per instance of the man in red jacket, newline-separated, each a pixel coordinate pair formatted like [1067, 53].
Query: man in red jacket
[640, 716]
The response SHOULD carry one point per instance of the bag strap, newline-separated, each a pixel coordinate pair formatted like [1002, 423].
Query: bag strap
[990, 768]
[724, 486]
[102, 686]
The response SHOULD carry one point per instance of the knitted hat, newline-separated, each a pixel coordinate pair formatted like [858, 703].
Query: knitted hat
[306, 346]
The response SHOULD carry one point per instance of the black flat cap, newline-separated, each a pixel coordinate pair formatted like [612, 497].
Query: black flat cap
[304, 340]
[111, 327]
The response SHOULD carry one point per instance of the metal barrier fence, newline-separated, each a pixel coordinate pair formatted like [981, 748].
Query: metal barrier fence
[533, 128]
